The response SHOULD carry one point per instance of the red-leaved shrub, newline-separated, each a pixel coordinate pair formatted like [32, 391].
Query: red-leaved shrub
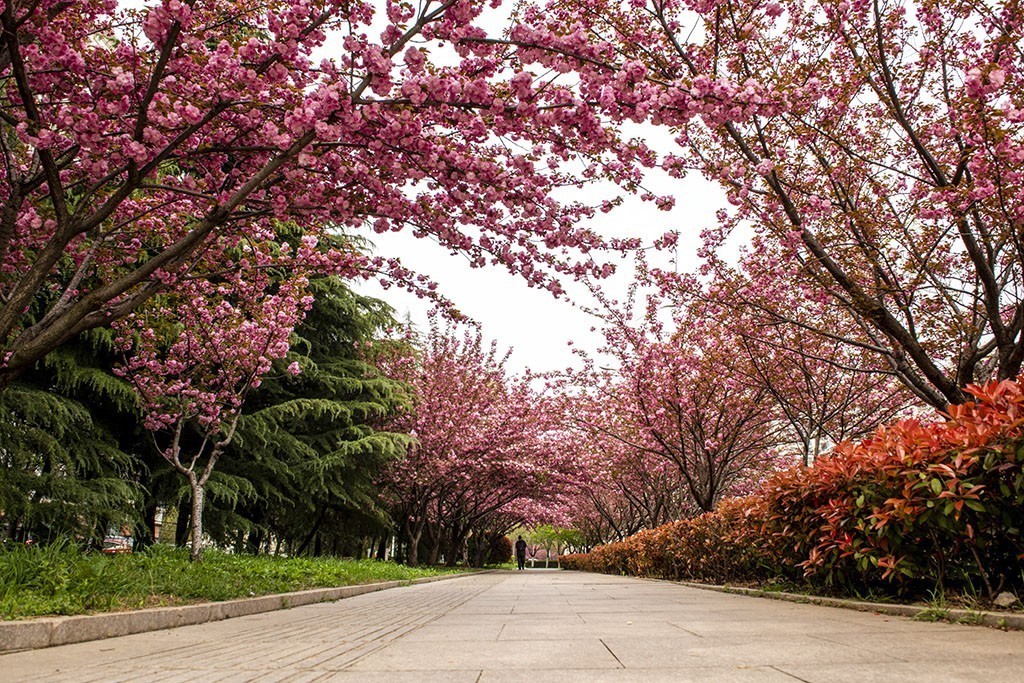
[915, 505]
[720, 546]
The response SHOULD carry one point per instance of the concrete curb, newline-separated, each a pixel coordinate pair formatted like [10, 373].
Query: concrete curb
[1010, 621]
[49, 631]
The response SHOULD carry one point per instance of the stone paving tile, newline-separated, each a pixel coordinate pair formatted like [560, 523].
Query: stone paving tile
[1001, 670]
[403, 677]
[621, 628]
[534, 655]
[434, 632]
[930, 644]
[691, 651]
[306, 643]
[531, 626]
[691, 675]
[770, 629]
[487, 619]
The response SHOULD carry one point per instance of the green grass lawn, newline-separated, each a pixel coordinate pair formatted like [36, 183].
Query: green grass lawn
[60, 579]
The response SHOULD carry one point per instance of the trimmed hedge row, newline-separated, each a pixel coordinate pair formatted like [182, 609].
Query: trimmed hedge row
[915, 506]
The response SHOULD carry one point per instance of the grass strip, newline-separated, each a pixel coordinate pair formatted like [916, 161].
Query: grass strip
[59, 579]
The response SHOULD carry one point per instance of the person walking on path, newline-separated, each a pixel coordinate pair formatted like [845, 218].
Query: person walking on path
[521, 553]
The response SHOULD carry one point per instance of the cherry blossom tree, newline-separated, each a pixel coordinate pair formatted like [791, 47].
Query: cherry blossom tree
[873, 149]
[718, 432]
[677, 391]
[138, 142]
[826, 394]
[194, 355]
[826, 388]
[602, 517]
[626, 489]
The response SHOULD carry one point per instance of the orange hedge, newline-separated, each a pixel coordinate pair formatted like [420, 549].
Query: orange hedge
[916, 505]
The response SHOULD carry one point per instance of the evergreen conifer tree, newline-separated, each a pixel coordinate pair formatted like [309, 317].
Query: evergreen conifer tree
[305, 457]
[69, 446]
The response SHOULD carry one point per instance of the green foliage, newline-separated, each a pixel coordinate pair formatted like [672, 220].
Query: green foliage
[554, 538]
[66, 462]
[60, 579]
[932, 614]
[497, 549]
[307, 445]
[75, 461]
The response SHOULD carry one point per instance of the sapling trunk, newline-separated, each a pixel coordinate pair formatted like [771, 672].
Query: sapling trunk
[197, 482]
[196, 553]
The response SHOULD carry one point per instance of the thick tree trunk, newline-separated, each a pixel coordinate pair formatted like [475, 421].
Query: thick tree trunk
[450, 556]
[312, 533]
[435, 547]
[456, 545]
[412, 556]
[382, 548]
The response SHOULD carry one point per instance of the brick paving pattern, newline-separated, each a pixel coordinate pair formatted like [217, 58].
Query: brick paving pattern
[539, 625]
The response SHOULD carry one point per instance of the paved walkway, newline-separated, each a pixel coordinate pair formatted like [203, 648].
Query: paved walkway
[542, 625]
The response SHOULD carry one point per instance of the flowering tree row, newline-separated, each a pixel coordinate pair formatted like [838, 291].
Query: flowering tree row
[626, 490]
[700, 400]
[157, 160]
[487, 452]
[871, 153]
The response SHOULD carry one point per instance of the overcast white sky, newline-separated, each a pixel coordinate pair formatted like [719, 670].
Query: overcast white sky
[537, 326]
